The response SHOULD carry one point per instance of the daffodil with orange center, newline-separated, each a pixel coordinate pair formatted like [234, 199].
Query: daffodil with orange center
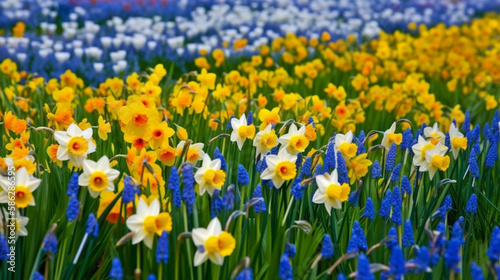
[74, 144]
[209, 176]
[135, 118]
[158, 134]
[98, 176]
[280, 168]
[24, 184]
[194, 153]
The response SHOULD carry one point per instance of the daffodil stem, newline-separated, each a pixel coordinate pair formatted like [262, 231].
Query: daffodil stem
[287, 210]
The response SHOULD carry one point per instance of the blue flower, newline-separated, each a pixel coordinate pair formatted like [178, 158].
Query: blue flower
[310, 120]
[358, 239]
[290, 250]
[243, 178]
[73, 185]
[495, 121]
[354, 197]
[476, 272]
[173, 184]
[306, 167]
[37, 276]
[261, 205]
[447, 203]
[395, 173]
[369, 209]
[188, 194]
[391, 157]
[342, 169]
[473, 167]
[492, 155]
[385, 207]
[494, 248]
[217, 203]
[447, 141]
[396, 202]
[422, 259]
[92, 226]
[250, 118]
[457, 231]
[327, 247]
[341, 276]
[472, 204]
[228, 126]
[397, 263]
[50, 243]
[361, 136]
[361, 147]
[393, 233]
[73, 208]
[297, 189]
[151, 277]
[406, 185]
[318, 170]
[162, 250]
[329, 161]
[298, 162]
[245, 274]
[229, 198]
[407, 141]
[4, 248]
[408, 239]
[129, 190]
[285, 269]
[452, 254]
[217, 154]
[466, 124]
[116, 269]
[364, 272]
[376, 170]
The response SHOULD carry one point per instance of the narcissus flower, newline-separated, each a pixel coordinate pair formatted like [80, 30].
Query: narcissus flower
[98, 176]
[265, 140]
[104, 129]
[330, 192]
[25, 185]
[194, 153]
[241, 130]
[295, 140]
[435, 159]
[209, 176]
[434, 135]
[358, 167]
[420, 149]
[280, 168]
[343, 143]
[158, 134]
[390, 136]
[148, 221]
[212, 243]
[74, 144]
[457, 140]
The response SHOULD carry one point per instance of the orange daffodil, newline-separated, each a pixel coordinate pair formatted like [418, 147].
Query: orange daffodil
[209, 176]
[212, 243]
[74, 144]
[148, 221]
[98, 176]
[330, 192]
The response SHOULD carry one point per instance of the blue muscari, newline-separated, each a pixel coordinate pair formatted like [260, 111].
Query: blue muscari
[408, 239]
[243, 178]
[452, 254]
[471, 206]
[391, 157]
[358, 239]
[341, 276]
[4, 248]
[37, 276]
[354, 197]
[492, 155]
[475, 272]
[162, 250]
[327, 247]
[397, 263]
[245, 274]
[306, 167]
[318, 171]
[173, 184]
[473, 166]
[422, 261]
[457, 230]
[129, 190]
[220, 156]
[297, 188]
[285, 269]
[73, 208]
[329, 161]
[361, 136]
[298, 162]
[188, 194]
[447, 141]
[376, 170]
[364, 272]
[73, 185]
[290, 250]
[466, 124]
[228, 126]
[407, 140]
[151, 277]
[385, 207]
[369, 209]
[92, 226]
[261, 205]
[495, 121]
[361, 148]
[406, 185]
[342, 169]
[116, 269]
[217, 203]
[395, 173]
[229, 198]
[396, 203]
[250, 118]
[393, 241]
[494, 246]
[50, 243]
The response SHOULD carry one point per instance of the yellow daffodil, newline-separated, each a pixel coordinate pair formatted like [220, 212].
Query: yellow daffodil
[213, 243]
[330, 192]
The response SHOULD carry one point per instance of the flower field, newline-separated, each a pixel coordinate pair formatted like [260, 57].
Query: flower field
[250, 140]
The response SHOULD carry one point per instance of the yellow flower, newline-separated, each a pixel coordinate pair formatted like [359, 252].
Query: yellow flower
[24, 184]
[206, 79]
[280, 168]
[358, 167]
[269, 117]
[209, 176]
[135, 118]
[265, 140]
[212, 243]
[151, 90]
[330, 192]
[104, 129]
[241, 131]
[295, 140]
[158, 134]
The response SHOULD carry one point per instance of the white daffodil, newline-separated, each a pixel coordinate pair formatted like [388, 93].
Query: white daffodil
[265, 140]
[24, 187]
[390, 136]
[148, 221]
[98, 176]
[209, 176]
[194, 153]
[457, 140]
[295, 140]
[419, 150]
[280, 168]
[212, 243]
[343, 143]
[20, 223]
[241, 131]
[435, 159]
[330, 192]
[434, 135]
[74, 144]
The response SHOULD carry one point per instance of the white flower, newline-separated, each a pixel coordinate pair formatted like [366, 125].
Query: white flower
[212, 243]
[280, 168]
[20, 223]
[209, 176]
[194, 153]
[241, 130]
[433, 134]
[343, 143]
[295, 140]
[98, 176]
[148, 221]
[419, 150]
[457, 140]
[74, 144]
[390, 136]
[435, 159]
[24, 186]
[265, 140]
[330, 192]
